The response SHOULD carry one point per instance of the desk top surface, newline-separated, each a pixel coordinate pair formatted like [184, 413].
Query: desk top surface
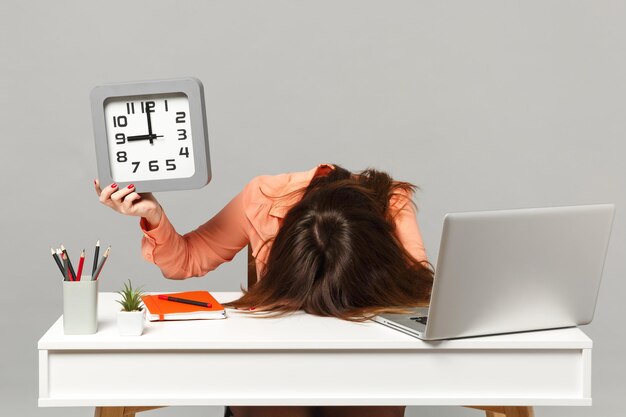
[295, 332]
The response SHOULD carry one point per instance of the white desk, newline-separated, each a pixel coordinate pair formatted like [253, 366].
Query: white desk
[306, 360]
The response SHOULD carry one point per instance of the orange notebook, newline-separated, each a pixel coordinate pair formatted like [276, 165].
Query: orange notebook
[157, 309]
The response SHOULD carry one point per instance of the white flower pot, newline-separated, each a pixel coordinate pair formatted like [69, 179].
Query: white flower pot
[130, 323]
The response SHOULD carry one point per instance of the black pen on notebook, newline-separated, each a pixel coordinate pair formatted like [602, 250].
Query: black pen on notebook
[185, 301]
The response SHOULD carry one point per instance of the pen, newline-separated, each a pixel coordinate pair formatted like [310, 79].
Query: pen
[185, 301]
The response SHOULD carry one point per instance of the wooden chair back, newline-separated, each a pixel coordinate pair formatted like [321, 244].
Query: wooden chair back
[251, 268]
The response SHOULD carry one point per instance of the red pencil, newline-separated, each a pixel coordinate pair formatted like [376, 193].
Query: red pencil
[80, 265]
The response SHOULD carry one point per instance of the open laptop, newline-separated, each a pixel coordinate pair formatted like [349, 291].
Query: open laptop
[510, 271]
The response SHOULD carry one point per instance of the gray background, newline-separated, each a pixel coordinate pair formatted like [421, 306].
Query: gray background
[483, 104]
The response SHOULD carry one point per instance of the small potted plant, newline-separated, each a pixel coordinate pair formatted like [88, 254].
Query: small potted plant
[130, 320]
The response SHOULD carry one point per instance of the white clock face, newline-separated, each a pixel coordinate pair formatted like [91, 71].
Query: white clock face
[149, 137]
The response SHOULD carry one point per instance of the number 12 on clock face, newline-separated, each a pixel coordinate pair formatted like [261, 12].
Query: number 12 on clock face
[149, 137]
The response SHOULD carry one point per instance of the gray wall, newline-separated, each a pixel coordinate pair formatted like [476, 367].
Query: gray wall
[484, 104]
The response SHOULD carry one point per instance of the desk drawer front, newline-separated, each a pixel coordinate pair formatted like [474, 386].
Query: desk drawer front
[406, 377]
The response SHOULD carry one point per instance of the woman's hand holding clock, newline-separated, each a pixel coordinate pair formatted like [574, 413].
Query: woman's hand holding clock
[127, 201]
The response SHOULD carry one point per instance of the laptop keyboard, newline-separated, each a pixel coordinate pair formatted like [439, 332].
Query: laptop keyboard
[420, 319]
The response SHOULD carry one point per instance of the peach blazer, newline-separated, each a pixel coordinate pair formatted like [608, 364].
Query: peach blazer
[251, 217]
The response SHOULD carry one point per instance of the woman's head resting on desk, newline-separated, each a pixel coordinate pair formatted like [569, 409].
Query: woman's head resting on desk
[336, 253]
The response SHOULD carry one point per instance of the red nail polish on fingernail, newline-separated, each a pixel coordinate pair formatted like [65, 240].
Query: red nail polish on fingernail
[131, 186]
[114, 185]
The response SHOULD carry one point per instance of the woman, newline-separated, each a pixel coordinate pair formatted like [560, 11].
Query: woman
[325, 241]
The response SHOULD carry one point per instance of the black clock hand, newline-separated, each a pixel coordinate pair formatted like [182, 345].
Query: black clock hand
[149, 122]
[143, 137]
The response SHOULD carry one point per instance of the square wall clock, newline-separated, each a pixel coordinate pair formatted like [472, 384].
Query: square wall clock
[152, 134]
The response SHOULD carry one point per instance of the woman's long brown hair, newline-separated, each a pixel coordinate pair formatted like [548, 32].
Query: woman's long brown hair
[336, 253]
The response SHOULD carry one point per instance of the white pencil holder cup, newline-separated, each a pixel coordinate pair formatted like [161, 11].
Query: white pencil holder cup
[80, 306]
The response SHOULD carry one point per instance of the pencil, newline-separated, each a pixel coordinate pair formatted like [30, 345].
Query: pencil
[58, 261]
[60, 256]
[104, 259]
[95, 259]
[80, 265]
[65, 267]
[69, 261]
